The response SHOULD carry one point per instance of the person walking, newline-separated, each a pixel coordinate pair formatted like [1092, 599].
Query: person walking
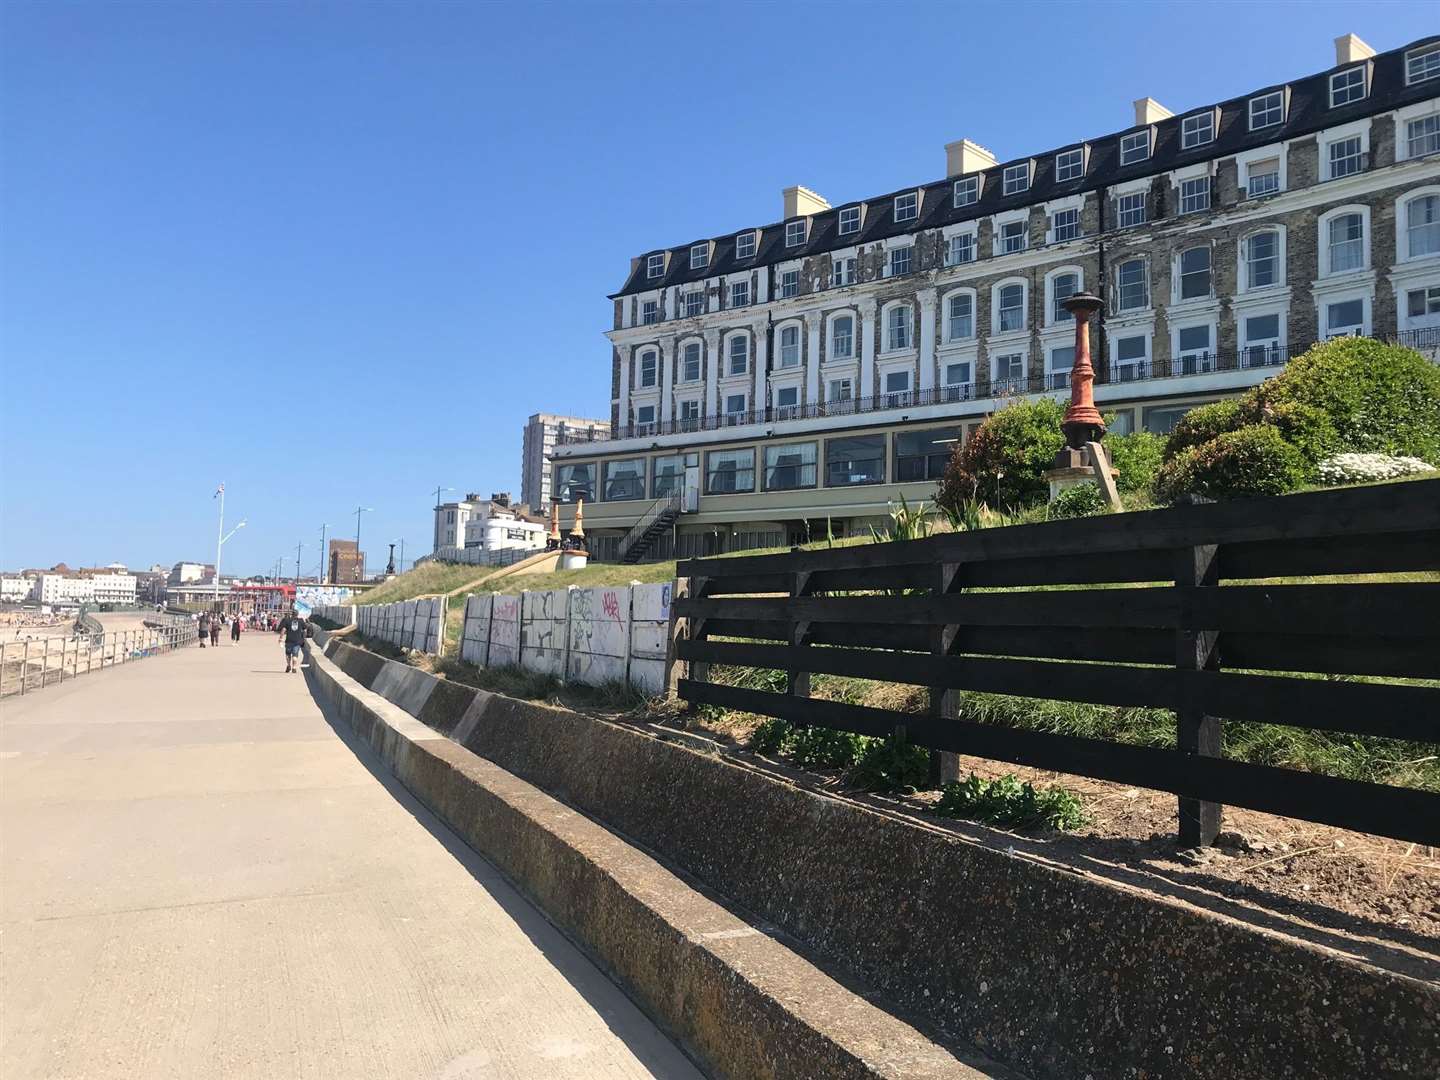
[215, 631]
[235, 630]
[292, 636]
[203, 626]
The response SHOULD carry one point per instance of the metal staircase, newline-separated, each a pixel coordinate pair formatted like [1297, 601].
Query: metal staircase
[656, 520]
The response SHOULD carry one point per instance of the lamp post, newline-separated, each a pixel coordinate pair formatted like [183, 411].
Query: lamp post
[323, 575]
[1083, 458]
[436, 545]
[298, 547]
[358, 511]
[401, 541]
[220, 542]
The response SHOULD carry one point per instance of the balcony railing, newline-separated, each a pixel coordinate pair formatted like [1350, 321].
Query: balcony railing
[1195, 363]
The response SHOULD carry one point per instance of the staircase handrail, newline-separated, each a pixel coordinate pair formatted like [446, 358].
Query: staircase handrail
[655, 510]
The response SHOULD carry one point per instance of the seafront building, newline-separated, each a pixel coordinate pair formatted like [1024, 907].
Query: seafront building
[543, 431]
[778, 381]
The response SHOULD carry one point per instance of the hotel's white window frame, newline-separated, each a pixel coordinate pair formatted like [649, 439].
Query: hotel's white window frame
[1132, 209]
[1178, 275]
[1267, 108]
[997, 294]
[1344, 84]
[1422, 64]
[789, 284]
[966, 191]
[795, 232]
[1403, 228]
[690, 349]
[1194, 194]
[747, 241]
[1055, 315]
[1119, 339]
[1069, 165]
[1421, 110]
[740, 293]
[948, 317]
[742, 337]
[1064, 224]
[1188, 360]
[654, 266]
[1343, 328]
[897, 318]
[1326, 243]
[789, 345]
[1246, 163]
[1242, 254]
[1122, 307]
[699, 256]
[848, 216]
[1271, 348]
[1003, 222]
[653, 357]
[1190, 133]
[907, 207]
[1135, 147]
[840, 340]
[1015, 179]
[1015, 380]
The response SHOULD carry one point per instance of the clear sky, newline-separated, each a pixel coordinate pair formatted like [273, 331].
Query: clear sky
[334, 254]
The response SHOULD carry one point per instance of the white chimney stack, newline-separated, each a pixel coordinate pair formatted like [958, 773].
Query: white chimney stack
[963, 156]
[1148, 110]
[802, 202]
[1349, 48]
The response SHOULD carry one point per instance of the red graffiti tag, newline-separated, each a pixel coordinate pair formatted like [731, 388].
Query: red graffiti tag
[610, 604]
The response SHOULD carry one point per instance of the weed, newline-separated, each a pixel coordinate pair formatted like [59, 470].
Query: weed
[826, 748]
[1006, 801]
[891, 765]
[771, 736]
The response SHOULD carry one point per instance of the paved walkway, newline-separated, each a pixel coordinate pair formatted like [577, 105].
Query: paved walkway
[202, 879]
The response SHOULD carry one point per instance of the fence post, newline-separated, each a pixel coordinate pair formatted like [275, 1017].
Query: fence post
[45, 666]
[797, 682]
[673, 664]
[25, 666]
[944, 702]
[565, 650]
[1195, 650]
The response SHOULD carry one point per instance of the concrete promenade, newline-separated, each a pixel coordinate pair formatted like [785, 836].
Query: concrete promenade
[200, 878]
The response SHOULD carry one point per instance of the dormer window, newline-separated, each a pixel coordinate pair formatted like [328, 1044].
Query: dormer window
[907, 207]
[794, 233]
[1347, 86]
[1422, 64]
[655, 266]
[1134, 147]
[745, 245]
[1069, 165]
[849, 220]
[1267, 110]
[1016, 178]
[1197, 130]
[699, 256]
[967, 190]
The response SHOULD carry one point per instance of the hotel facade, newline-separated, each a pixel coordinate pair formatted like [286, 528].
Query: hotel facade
[782, 381]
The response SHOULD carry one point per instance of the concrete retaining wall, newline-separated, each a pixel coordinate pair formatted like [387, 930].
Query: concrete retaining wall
[592, 636]
[410, 624]
[339, 614]
[1061, 975]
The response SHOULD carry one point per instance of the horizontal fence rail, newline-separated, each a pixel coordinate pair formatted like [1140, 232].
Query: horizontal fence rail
[27, 666]
[1166, 608]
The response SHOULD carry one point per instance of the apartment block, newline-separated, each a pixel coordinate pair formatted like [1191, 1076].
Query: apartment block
[543, 431]
[803, 375]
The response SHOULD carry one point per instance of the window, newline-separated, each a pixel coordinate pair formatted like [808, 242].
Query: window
[788, 468]
[1346, 240]
[1262, 341]
[1132, 209]
[900, 260]
[907, 207]
[921, 455]
[1064, 225]
[739, 293]
[1195, 273]
[842, 390]
[575, 482]
[649, 312]
[689, 413]
[1422, 64]
[1347, 86]
[625, 479]
[1345, 319]
[1069, 165]
[1423, 136]
[790, 283]
[897, 388]
[960, 250]
[789, 346]
[1130, 353]
[729, 471]
[1422, 225]
[1267, 110]
[1016, 178]
[1263, 177]
[849, 220]
[1423, 303]
[1062, 287]
[787, 401]
[690, 362]
[960, 373]
[1197, 130]
[1345, 157]
[745, 245]
[739, 354]
[897, 324]
[794, 233]
[649, 368]
[694, 304]
[667, 474]
[856, 460]
[1194, 348]
[1162, 419]
[1134, 147]
[645, 418]
[1132, 286]
[1262, 259]
[1195, 195]
[1012, 236]
[699, 256]
[735, 408]
[960, 317]
[654, 266]
[842, 338]
[967, 190]
[1058, 364]
[1009, 373]
[842, 272]
[1011, 309]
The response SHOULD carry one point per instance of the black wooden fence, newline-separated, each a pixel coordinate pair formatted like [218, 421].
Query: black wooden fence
[967, 611]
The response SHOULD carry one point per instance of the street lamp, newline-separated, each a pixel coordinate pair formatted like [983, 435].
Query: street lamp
[322, 552]
[436, 545]
[401, 542]
[358, 554]
[220, 539]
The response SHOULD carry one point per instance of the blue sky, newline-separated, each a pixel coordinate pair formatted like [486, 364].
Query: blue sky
[334, 254]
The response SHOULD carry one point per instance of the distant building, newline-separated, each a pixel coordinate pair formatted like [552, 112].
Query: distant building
[16, 590]
[495, 525]
[150, 586]
[347, 563]
[542, 432]
[91, 588]
[185, 573]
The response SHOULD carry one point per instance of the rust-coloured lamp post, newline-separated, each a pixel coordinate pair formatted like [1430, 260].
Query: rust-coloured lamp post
[1082, 424]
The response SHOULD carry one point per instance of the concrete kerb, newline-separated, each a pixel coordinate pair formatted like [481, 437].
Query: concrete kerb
[740, 1001]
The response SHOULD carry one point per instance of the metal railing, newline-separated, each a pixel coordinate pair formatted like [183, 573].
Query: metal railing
[27, 666]
[497, 557]
[665, 504]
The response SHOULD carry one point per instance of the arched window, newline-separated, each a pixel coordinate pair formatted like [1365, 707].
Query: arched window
[649, 368]
[1062, 286]
[1422, 226]
[960, 316]
[691, 366]
[738, 355]
[1261, 259]
[1132, 286]
[790, 346]
[898, 324]
[1194, 273]
[1009, 308]
[1345, 243]
[842, 337]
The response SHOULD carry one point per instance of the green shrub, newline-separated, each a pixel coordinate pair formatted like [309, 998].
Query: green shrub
[1006, 801]
[891, 764]
[1255, 460]
[1082, 500]
[1137, 457]
[771, 736]
[1202, 424]
[1004, 462]
[818, 746]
